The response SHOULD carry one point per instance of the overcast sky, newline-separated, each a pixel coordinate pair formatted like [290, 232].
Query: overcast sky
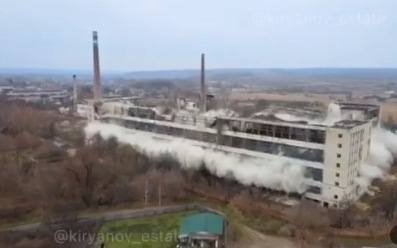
[171, 34]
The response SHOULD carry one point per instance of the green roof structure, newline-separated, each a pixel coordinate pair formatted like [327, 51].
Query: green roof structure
[202, 223]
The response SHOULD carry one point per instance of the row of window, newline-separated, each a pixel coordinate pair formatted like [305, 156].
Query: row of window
[355, 153]
[354, 156]
[314, 190]
[231, 141]
[284, 132]
[272, 148]
[351, 174]
[338, 155]
[326, 204]
[315, 174]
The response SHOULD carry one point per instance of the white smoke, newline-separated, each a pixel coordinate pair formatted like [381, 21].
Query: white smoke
[220, 112]
[276, 172]
[334, 114]
[383, 152]
[293, 118]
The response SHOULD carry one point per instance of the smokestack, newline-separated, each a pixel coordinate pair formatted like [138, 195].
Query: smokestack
[74, 92]
[203, 89]
[97, 73]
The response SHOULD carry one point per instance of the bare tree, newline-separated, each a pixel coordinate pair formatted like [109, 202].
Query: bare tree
[388, 202]
[308, 216]
[80, 171]
[26, 140]
[344, 216]
[6, 143]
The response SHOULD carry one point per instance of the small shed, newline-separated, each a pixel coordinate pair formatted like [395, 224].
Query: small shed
[203, 230]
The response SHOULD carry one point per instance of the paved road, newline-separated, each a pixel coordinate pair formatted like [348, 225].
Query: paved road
[112, 215]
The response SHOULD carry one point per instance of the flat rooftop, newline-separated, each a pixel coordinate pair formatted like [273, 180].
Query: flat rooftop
[273, 118]
[348, 124]
[206, 223]
[358, 106]
[16, 91]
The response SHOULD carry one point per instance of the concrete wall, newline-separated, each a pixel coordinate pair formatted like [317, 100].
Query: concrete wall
[91, 115]
[211, 136]
[345, 150]
[82, 110]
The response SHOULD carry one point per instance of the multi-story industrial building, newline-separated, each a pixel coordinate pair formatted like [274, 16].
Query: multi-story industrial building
[38, 95]
[6, 87]
[331, 154]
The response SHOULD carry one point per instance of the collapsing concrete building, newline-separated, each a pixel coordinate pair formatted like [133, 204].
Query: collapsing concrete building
[330, 152]
[333, 153]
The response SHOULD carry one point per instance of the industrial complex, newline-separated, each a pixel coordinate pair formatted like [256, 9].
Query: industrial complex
[331, 151]
[180, 124]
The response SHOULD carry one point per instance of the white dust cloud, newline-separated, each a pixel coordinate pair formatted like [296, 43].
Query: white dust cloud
[383, 152]
[276, 173]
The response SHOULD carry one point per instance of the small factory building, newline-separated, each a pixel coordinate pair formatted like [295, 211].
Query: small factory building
[203, 230]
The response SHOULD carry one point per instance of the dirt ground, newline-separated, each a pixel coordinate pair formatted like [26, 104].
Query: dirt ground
[389, 109]
[290, 97]
[254, 239]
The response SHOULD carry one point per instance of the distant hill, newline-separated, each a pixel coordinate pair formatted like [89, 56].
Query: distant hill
[214, 74]
[275, 75]
[161, 74]
[52, 72]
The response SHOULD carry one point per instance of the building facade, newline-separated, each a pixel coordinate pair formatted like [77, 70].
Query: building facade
[332, 155]
[38, 95]
[347, 146]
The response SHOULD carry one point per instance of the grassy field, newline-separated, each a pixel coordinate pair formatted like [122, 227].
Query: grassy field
[357, 242]
[153, 232]
[264, 225]
[270, 226]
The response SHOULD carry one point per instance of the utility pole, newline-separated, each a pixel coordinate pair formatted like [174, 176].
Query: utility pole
[160, 192]
[146, 192]
[42, 210]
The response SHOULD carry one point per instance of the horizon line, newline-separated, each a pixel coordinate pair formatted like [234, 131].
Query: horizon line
[196, 69]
